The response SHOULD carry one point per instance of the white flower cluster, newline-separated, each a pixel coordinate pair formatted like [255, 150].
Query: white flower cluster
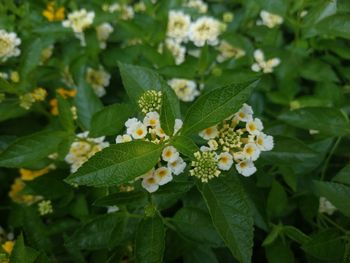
[126, 12]
[199, 5]
[227, 51]
[326, 207]
[45, 207]
[186, 90]
[98, 79]
[238, 139]
[180, 30]
[266, 66]
[103, 32]
[8, 45]
[78, 21]
[149, 129]
[270, 20]
[83, 148]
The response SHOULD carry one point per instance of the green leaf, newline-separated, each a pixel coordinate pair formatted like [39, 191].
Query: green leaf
[273, 235]
[150, 240]
[289, 151]
[65, 114]
[86, 100]
[10, 109]
[231, 215]
[117, 164]
[137, 80]
[337, 25]
[122, 198]
[185, 145]
[98, 232]
[22, 253]
[110, 120]
[200, 254]
[204, 232]
[167, 116]
[213, 107]
[332, 121]
[26, 150]
[296, 235]
[279, 252]
[337, 194]
[326, 245]
[277, 200]
[343, 176]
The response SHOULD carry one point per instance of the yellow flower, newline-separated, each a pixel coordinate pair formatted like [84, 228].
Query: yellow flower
[54, 107]
[39, 94]
[8, 246]
[65, 93]
[28, 175]
[53, 13]
[16, 196]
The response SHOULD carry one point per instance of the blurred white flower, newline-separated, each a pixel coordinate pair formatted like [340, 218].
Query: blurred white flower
[186, 90]
[245, 113]
[176, 50]
[199, 5]
[103, 32]
[227, 51]
[178, 26]
[98, 79]
[266, 66]
[254, 126]
[264, 142]
[9, 43]
[326, 207]
[270, 20]
[205, 30]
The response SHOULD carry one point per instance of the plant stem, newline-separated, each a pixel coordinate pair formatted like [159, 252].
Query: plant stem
[325, 166]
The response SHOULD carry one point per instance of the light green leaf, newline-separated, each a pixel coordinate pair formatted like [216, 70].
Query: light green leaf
[336, 26]
[10, 109]
[337, 194]
[296, 235]
[26, 150]
[117, 164]
[231, 215]
[22, 253]
[185, 145]
[150, 240]
[167, 116]
[213, 107]
[110, 120]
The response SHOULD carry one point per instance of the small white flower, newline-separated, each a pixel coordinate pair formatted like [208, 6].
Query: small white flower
[163, 175]
[151, 119]
[177, 166]
[137, 131]
[199, 5]
[9, 43]
[178, 125]
[225, 161]
[251, 151]
[123, 138]
[245, 113]
[228, 51]
[205, 149]
[178, 26]
[205, 30]
[160, 133]
[112, 209]
[213, 145]
[263, 65]
[186, 90]
[270, 20]
[209, 133]
[170, 154]
[326, 206]
[264, 142]
[103, 32]
[254, 126]
[131, 122]
[79, 20]
[150, 182]
[176, 50]
[246, 168]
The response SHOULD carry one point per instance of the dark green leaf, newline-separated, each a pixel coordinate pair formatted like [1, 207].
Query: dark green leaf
[185, 145]
[231, 215]
[167, 116]
[22, 253]
[343, 176]
[122, 198]
[150, 240]
[110, 120]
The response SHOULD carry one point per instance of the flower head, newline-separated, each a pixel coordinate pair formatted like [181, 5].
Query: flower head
[245, 168]
[225, 161]
[186, 90]
[227, 51]
[205, 166]
[266, 66]
[163, 175]
[209, 133]
[53, 12]
[150, 182]
[150, 101]
[178, 25]
[205, 30]
[270, 20]
[170, 154]
[45, 207]
[152, 119]
[103, 32]
[178, 166]
[79, 20]
[254, 126]
[176, 50]
[98, 79]
[9, 43]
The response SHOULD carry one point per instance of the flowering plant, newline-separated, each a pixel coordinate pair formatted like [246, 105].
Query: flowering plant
[174, 131]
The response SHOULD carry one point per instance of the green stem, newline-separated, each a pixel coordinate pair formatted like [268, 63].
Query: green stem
[325, 166]
[326, 218]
